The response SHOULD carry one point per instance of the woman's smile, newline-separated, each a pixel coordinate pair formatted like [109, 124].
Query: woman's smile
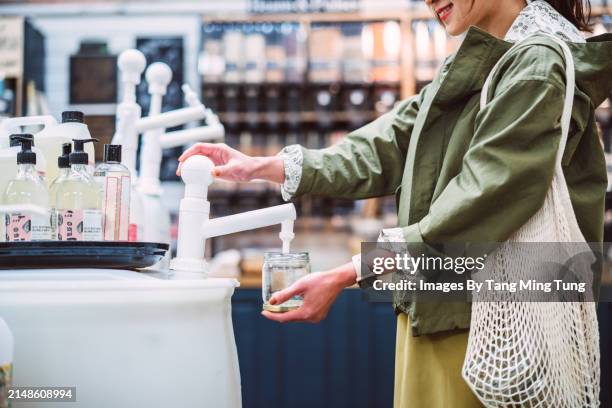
[444, 11]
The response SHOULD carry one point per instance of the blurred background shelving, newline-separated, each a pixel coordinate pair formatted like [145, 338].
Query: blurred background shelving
[276, 72]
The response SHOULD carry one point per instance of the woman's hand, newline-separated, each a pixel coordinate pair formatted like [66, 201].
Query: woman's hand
[230, 164]
[319, 291]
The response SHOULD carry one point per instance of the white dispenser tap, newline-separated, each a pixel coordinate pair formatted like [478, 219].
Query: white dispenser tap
[131, 64]
[158, 76]
[195, 226]
[213, 130]
[130, 124]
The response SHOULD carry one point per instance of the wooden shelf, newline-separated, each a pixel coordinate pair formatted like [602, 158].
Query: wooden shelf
[309, 18]
[303, 84]
[404, 16]
[417, 13]
[301, 117]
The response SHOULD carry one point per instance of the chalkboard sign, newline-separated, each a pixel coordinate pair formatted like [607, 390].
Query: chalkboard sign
[168, 50]
[93, 79]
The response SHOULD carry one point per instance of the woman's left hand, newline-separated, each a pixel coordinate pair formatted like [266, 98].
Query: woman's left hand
[319, 291]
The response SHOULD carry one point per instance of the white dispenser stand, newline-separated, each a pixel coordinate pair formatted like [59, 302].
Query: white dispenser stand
[158, 76]
[195, 226]
[131, 64]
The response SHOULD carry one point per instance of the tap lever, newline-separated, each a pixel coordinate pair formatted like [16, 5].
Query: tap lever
[249, 220]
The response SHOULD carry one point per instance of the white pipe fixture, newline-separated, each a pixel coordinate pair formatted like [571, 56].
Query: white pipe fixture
[213, 130]
[249, 220]
[200, 134]
[170, 119]
[195, 226]
[131, 64]
[158, 76]
[130, 124]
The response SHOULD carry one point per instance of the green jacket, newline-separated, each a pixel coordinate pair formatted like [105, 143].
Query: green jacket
[465, 175]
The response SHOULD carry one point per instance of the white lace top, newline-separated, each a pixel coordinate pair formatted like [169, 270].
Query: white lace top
[538, 15]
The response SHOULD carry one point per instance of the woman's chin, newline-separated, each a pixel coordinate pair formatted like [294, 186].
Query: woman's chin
[453, 29]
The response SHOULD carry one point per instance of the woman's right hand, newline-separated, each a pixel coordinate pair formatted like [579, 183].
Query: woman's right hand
[231, 164]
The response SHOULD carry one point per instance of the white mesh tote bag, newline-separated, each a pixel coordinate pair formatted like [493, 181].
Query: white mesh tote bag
[535, 354]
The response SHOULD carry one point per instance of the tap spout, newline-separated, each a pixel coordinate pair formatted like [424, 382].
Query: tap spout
[171, 119]
[248, 220]
[198, 134]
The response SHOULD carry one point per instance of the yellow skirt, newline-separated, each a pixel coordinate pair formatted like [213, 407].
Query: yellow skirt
[428, 369]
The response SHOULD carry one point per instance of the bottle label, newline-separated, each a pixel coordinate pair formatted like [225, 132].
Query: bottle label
[79, 225]
[115, 191]
[6, 376]
[26, 227]
[133, 233]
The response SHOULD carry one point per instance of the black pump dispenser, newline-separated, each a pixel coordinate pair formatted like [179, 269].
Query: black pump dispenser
[78, 156]
[14, 140]
[63, 161]
[26, 155]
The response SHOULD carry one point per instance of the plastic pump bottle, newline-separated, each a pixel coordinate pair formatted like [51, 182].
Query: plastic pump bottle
[27, 187]
[79, 215]
[114, 181]
[8, 160]
[7, 344]
[63, 165]
[50, 141]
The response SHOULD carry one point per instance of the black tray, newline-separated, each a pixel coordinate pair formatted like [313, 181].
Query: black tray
[80, 254]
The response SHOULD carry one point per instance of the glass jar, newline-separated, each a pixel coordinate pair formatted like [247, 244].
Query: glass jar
[279, 272]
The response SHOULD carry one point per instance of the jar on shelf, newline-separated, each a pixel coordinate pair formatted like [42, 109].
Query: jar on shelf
[279, 272]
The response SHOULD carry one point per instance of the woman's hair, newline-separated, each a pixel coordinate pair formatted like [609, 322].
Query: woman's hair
[578, 12]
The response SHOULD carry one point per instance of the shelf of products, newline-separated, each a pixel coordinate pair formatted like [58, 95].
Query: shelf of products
[307, 79]
[21, 67]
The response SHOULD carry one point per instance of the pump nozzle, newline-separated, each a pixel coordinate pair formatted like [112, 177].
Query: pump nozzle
[63, 161]
[78, 156]
[26, 155]
[15, 139]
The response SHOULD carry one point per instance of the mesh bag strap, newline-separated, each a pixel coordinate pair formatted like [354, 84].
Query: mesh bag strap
[570, 85]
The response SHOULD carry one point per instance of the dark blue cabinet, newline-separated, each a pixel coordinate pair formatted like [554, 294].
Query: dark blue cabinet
[345, 361]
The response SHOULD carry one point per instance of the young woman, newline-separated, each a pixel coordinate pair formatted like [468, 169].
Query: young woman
[461, 174]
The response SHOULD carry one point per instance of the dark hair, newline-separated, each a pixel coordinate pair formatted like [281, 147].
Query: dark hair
[577, 12]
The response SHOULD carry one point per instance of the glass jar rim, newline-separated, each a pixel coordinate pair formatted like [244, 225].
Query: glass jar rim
[291, 256]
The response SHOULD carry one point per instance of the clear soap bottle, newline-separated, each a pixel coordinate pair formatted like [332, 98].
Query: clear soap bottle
[79, 214]
[114, 182]
[27, 187]
[63, 164]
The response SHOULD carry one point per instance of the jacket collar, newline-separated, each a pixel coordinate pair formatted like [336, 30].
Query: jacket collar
[466, 71]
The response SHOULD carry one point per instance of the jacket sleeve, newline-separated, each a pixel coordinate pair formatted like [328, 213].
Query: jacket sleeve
[369, 162]
[507, 169]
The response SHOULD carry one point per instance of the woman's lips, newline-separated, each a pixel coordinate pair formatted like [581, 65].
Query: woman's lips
[444, 12]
